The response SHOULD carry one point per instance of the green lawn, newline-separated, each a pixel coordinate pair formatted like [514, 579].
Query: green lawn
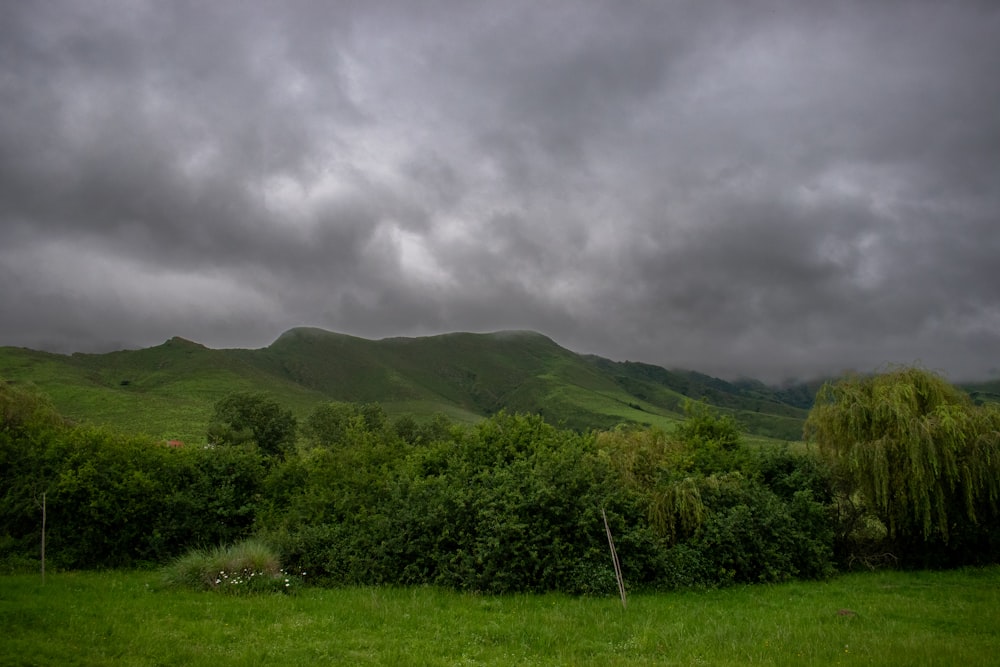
[916, 618]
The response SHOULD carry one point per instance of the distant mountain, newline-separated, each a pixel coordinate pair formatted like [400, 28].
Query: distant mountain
[169, 390]
[984, 392]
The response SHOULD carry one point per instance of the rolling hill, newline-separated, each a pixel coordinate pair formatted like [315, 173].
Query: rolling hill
[169, 390]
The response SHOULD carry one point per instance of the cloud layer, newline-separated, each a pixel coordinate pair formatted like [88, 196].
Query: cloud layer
[745, 188]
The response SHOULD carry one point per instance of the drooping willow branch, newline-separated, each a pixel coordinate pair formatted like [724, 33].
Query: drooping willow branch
[919, 452]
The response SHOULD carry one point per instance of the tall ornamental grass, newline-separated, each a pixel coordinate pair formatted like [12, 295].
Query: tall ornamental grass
[250, 566]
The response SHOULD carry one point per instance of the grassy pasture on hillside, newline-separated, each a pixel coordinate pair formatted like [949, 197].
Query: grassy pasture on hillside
[127, 618]
[167, 391]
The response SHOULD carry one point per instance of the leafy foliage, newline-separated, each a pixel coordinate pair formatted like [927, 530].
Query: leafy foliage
[751, 535]
[243, 418]
[724, 514]
[114, 500]
[511, 503]
[919, 455]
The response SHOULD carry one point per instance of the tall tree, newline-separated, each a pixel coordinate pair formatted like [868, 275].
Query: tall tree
[253, 417]
[920, 454]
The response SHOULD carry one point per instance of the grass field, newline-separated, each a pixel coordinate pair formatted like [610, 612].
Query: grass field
[917, 618]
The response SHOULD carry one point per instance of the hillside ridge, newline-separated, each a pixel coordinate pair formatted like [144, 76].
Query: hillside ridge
[170, 389]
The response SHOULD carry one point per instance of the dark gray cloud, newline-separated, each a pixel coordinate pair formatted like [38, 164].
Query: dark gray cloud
[747, 188]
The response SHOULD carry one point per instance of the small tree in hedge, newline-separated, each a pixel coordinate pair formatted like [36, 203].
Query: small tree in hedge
[248, 417]
[922, 457]
[713, 439]
[328, 423]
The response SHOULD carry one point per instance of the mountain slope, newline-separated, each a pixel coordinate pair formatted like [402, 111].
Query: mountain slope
[169, 390]
[761, 410]
[477, 373]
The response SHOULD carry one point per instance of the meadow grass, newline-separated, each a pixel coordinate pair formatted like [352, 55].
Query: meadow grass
[425, 410]
[916, 618]
[619, 406]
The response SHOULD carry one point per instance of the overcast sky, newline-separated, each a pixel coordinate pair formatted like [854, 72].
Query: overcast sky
[766, 189]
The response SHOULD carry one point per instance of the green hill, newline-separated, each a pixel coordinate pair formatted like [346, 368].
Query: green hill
[984, 392]
[169, 390]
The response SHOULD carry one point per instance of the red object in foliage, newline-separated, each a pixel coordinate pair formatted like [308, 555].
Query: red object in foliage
[174, 443]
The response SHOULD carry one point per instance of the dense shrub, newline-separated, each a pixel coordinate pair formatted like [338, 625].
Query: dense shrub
[28, 423]
[121, 501]
[510, 504]
[513, 504]
[751, 535]
[724, 513]
[114, 500]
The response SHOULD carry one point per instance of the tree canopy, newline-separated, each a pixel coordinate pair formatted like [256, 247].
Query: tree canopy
[924, 458]
[253, 417]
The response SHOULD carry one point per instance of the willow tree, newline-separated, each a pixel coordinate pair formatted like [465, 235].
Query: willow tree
[916, 450]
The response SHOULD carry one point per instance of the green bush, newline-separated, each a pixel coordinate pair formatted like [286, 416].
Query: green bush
[686, 566]
[510, 504]
[514, 504]
[123, 501]
[244, 568]
[114, 500]
[751, 535]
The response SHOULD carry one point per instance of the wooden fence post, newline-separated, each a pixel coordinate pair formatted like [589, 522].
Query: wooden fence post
[43, 539]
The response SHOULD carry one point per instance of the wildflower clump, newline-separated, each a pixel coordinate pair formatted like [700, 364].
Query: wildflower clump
[256, 581]
[244, 568]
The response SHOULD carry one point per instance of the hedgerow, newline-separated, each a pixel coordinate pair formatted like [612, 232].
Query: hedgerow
[510, 504]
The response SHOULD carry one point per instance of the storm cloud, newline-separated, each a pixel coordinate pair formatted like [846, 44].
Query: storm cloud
[769, 189]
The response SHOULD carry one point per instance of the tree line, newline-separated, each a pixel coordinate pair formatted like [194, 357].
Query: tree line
[902, 469]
